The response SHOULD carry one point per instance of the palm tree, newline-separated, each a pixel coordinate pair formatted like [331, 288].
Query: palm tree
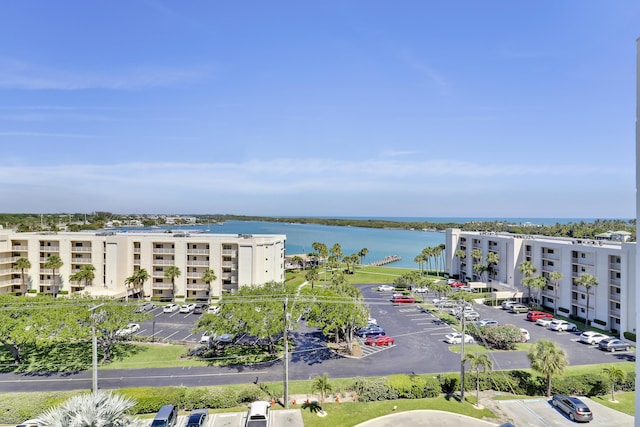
[419, 259]
[539, 282]
[363, 255]
[171, 273]
[297, 259]
[493, 259]
[208, 277]
[548, 359]
[54, 262]
[136, 281]
[23, 264]
[321, 384]
[92, 409]
[476, 255]
[615, 375]
[87, 274]
[528, 270]
[460, 254]
[555, 277]
[312, 276]
[478, 362]
[588, 281]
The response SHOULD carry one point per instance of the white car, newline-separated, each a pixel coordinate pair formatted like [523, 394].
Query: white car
[205, 338]
[386, 288]
[591, 337]
[544, 321]
[213, 309]
[187, 308]
[487, 322]
[525, 335]
[506, 304]
[131, 328]
[421, 290]
[562, 325]
[170, 308]
[372, 321]
[456, 338]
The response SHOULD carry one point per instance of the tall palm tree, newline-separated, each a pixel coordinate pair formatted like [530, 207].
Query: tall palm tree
[493, 259]
[539, 282]
[92, 410]
[528, 270]
[555, 277]
[321, 384]
[136, 281]
[323, 253]
[23, 264]
[478, 362]
[208, 277]
[87, 274]
[419, 259]
[548, 359]
[363, 255]
[54, 262]
[312, 276]
[171, 273]
[588, 281]
[460, 254]
[615, 375]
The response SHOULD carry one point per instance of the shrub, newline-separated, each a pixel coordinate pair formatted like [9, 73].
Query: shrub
[369, 390]
[582, 385]
[449, 383]
[497, 337]
[250, 394]
[563, 309]
[630, 336]
[600, 322]
[402, 384]
[151, 399]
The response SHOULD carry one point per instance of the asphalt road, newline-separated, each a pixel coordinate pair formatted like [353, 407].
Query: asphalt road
[419, 348]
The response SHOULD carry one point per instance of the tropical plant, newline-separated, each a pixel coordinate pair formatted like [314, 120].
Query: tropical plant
[555, 277]
[321, 385]
[588, 281]
[615, 375]
[549, 359]
[54, 262]
[23, 264]
[136, 281]
[363, 255]
[171, 273]
[312, 276]
[460, 254]
[478, 362]
[528, 269]
[208, 277]
[493, 259]
[99, 409]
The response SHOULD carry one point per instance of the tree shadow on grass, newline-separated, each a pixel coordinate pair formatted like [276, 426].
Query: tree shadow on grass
[313, 407]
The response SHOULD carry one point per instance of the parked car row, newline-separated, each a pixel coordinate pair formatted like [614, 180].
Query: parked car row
[186, 308]
[167, 416]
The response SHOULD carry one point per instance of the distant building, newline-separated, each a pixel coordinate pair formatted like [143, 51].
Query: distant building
[611, 262]
[237, 260]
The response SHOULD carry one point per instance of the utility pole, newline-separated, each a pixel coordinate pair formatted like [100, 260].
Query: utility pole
[286, 354]
[94, 339]
[462, 320]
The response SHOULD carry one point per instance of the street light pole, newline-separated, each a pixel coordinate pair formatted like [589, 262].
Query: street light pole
[462, 355]
[94, 342]
[286, 354]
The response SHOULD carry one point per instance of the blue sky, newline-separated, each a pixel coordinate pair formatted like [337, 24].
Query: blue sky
[336, 108]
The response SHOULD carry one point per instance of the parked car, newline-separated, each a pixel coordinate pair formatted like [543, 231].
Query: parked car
[544, 321]
[613, 344]
[371, 330]
[29, 423]
[591, 337]
[131, 328]
[562, 325]
[386, 288]
[421, 290]
[170, 308]
[575, 408]
[525, 335]
[200, 308]
[457, 284]
[470, 316]
[403, 299]
[534, 315]
[224, 338]
[372, 321]
[487, 322]
[187, 308]
[197, 418]
[145, 306]
[506, 304]
[205, 337]
[258, 415]
[440, 300]
[456, 338]
[380, 341]
[213, 309]
[518, 308]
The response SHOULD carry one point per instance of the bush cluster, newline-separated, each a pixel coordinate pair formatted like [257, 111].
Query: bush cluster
[497, 337]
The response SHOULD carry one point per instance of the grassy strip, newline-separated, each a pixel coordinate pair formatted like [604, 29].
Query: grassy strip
[625, 402]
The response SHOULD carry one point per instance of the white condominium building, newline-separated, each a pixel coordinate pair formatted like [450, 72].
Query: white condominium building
[612, 263]
[236, 260]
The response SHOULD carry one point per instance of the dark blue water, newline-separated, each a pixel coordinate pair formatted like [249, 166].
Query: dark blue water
[380, 243]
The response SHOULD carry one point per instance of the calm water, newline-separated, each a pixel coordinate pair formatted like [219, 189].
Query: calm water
[380, 243]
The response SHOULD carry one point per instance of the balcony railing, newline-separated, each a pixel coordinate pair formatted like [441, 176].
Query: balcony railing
[49, 248]
[81, 249]
[231, 252]
[197, 287]
[162, 286]
[163, 250]
[197, 263]
[163, 262]
[198, 251]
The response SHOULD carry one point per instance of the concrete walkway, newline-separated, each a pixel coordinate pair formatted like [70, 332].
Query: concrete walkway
[426, 418]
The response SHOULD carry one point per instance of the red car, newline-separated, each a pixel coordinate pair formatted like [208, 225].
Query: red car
[379, 340]
[532, 316]
[403, 299]
[457, 285]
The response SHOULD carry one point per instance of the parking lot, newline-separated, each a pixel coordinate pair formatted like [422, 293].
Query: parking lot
[170, 326]
[281, 418]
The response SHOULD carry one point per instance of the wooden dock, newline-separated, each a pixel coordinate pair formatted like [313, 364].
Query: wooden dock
[386, 260]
